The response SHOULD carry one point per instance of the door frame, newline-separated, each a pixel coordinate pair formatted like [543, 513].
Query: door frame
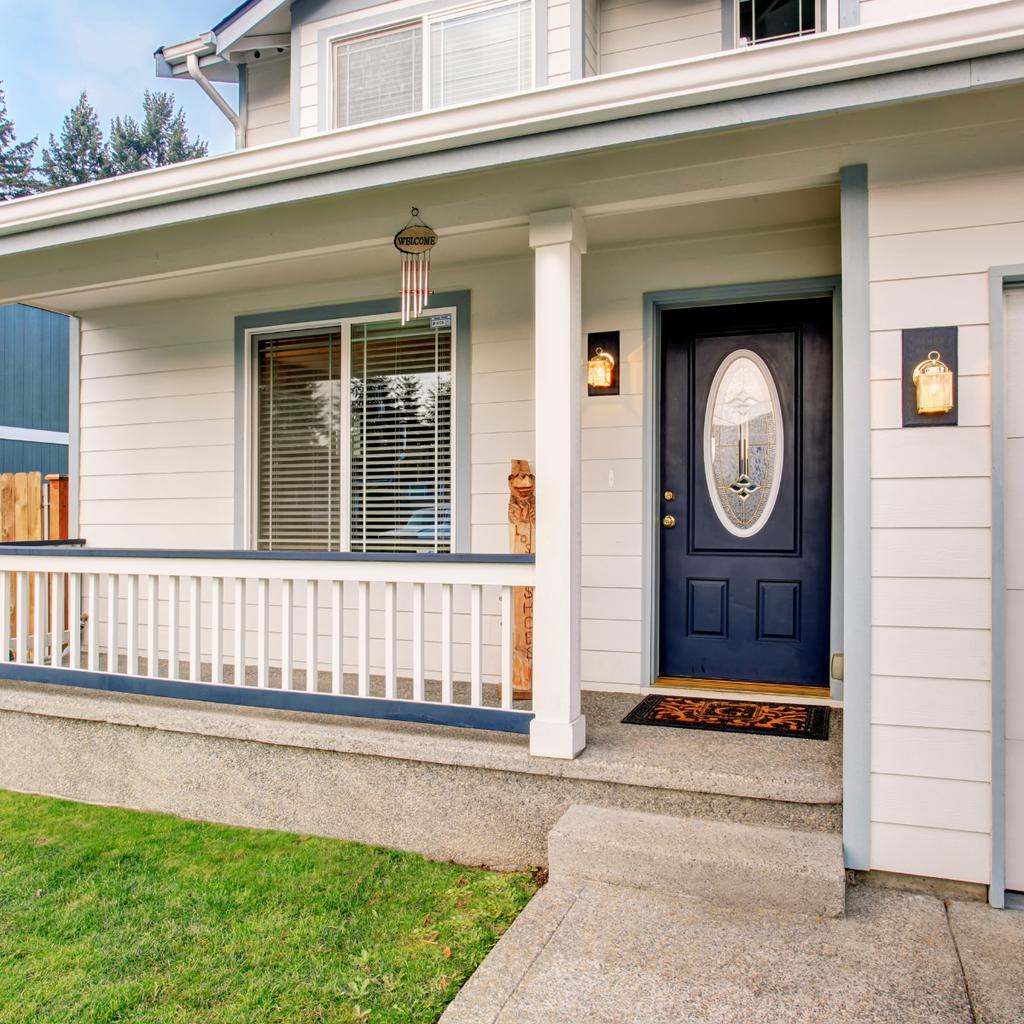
[725, 295]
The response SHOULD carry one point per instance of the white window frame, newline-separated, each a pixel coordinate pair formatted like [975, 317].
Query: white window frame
[345, 495]
[425, 21]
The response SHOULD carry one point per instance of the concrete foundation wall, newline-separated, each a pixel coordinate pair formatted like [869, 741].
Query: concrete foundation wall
[448, 794]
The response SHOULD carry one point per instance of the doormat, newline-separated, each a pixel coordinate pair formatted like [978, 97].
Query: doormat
[803, 720]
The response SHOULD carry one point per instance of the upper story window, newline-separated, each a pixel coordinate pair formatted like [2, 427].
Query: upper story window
[764, 20]
[470, 55]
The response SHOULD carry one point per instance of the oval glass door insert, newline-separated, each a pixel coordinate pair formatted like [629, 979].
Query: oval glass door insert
[743, 445]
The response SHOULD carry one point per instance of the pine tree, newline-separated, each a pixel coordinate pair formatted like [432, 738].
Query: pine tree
[16, 172]
[161, 138]
[80, 155]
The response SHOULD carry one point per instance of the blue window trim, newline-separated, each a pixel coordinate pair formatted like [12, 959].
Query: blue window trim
[462, 365]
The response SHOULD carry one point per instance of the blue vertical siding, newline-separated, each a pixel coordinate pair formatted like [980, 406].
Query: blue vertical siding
[33, 386]
[32, 457]
[33, 368]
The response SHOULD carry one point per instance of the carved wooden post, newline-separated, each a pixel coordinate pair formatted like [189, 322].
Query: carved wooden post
[522, 520]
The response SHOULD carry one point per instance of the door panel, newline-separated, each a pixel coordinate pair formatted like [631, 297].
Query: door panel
[746, 451]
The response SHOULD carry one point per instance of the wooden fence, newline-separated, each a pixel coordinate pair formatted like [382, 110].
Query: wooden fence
[31, 511]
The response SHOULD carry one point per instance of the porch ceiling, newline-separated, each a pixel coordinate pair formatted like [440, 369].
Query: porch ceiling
[468, 245]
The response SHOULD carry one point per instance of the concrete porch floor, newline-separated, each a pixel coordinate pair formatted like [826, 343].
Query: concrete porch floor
[467, 795]
[602, 954]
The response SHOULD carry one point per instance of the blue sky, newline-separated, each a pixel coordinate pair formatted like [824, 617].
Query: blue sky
[51, 51]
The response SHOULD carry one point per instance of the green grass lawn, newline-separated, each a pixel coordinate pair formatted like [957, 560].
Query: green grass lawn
[112, 915]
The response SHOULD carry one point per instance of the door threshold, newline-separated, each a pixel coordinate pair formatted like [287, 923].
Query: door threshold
[734, 689]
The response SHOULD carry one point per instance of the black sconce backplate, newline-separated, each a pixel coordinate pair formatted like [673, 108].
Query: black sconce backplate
[607, 341]
[917, 343]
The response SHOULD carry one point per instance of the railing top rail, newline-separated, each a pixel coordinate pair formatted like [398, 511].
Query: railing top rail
[64, 549]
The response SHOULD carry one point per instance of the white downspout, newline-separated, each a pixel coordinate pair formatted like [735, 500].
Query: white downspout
[192, 63]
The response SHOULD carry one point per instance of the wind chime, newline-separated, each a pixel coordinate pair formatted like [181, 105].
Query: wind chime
[414, 242]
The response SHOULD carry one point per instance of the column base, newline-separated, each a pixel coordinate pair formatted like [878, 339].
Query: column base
[558, 739]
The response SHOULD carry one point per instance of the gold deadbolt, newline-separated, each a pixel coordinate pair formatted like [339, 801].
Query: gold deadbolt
[670, 495]
[669, 521]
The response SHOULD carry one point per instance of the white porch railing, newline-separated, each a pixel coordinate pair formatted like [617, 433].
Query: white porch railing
[417, 637]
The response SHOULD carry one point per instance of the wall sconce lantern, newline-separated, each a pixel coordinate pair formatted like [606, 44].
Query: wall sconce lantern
[603, 363]
[599, 369]
[934, 383]
[929, 372]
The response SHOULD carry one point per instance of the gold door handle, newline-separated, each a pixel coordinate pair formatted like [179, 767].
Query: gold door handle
[669, 521]
[670, 495]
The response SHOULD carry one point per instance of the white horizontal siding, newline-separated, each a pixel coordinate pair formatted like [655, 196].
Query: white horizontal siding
[932, 243]
[268, 101]
[634, 35]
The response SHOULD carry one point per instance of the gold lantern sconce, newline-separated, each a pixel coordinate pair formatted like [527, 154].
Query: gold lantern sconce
[934, 383]
[603, 363]
[929, 376]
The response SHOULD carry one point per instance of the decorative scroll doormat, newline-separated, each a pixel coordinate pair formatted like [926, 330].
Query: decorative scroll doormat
[756, 717]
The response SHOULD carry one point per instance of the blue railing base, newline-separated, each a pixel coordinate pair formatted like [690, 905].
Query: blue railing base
[463, 716]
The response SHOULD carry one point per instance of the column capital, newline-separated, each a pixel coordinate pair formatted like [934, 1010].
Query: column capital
[556, 227]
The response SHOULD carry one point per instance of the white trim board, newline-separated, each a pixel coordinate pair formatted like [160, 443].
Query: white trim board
[28, 434]
[1000, 280]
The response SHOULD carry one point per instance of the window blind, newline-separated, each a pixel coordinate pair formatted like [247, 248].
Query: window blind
[401, 449]
[478, 55]
[298, 441]
[378, 76]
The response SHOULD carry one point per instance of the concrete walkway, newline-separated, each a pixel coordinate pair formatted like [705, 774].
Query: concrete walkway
[592, 953]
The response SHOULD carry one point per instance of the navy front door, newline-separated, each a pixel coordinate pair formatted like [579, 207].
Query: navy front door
[745, 503]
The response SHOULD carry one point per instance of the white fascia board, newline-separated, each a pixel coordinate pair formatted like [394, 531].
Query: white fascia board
[229, 36]
[785, 67]
[217, 69]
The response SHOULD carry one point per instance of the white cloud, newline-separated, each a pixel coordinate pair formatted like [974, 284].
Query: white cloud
[50, 52]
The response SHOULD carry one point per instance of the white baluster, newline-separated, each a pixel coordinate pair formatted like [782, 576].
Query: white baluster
[113, 622]
[239, 631]
[263, 632]
[507, 651]
[446, 643]
[476, 662]
[390, 640]
[217, 630]
[287, 633]
[173, 626]
[57, 619]
[5, 614]
[92, 624]
[75, 620]
[133, 626]
[41, 608]
[153, 627]
[418, 689]
[312, 637]
[363, 638]
[338, 636]
[21, 626]
[195, 626]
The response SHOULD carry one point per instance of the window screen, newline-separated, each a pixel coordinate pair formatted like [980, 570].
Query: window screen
[479, 55]
[378, 76]
[401, 451]
[298, 406]
[761, 20]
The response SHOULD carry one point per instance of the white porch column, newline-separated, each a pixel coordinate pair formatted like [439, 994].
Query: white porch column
[559, 239]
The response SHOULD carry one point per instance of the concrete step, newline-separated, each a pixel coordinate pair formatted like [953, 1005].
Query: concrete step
[718, 862]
